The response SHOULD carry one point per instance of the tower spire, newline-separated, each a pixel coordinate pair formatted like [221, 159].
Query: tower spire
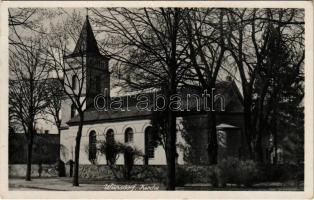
[86, 13]
[86, 44]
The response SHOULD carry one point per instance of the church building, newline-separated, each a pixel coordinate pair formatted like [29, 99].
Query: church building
[133, 126]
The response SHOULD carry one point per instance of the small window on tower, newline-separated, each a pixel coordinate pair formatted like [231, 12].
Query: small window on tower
[74, 82]
[97, 84]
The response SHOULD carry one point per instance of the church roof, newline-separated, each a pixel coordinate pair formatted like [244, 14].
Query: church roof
[86, 44]
[228, 89]
[112, 115]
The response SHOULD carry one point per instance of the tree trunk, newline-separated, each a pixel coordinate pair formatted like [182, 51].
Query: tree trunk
[248, 129]
[171, 143]
[171, 132]
[259, 131]
[77, 151]
[275, 140]
[259, 149]
[171, 151]
[212, 138]
[29, 155]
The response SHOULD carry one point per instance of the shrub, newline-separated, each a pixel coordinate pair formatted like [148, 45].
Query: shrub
[228, 169]
[112, 150]
[240, 172]
[214, 176]
[247, 172]
[130, 154]
[281, 173]
[199, 173]
[183, 176]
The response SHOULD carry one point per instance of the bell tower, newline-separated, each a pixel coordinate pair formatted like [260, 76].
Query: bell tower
[94, 66]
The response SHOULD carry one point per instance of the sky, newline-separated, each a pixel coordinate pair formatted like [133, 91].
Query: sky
[55, 16]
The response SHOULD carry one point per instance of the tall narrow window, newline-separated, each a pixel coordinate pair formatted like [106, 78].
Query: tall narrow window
[92, 150]
[74, 82]
[72, 110]
[149, 144]
[111, 154]
[110, 136]
[128, 137]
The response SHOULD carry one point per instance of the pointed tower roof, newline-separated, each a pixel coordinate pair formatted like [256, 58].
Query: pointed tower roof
[86, 44]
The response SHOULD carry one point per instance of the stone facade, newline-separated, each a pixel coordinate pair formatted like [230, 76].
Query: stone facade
[19, 170]
[119, 128]
[231, 141]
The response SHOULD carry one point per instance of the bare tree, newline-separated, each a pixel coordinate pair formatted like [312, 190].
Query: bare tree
[71, 72]
[23, 21]
[205, 36]
[27, 93]
[248, 41]
[55, 98]
[280, 78]
[21, 16]
[78, 99]
[149, 42]
[20, 19]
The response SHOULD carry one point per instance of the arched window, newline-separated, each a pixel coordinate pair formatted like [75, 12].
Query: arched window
[128, 137]
[92, 149]
[72, 110]
[111, 154]
[149, 144]
[110, 136]
[74, 82]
